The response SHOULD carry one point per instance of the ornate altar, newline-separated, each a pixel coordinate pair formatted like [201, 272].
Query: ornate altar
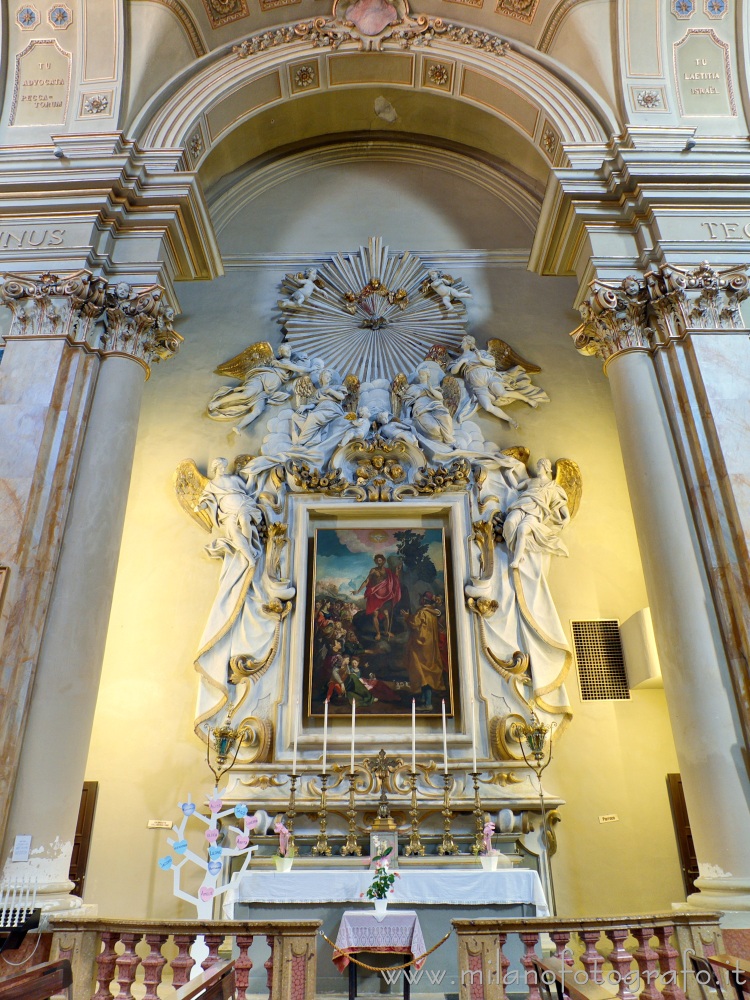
[379, 556]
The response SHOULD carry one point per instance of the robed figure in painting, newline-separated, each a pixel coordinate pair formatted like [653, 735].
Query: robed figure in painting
[382, 593]
[424, 656]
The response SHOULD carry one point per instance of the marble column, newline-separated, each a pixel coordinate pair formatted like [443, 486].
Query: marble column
[619, 323]
[52, 753]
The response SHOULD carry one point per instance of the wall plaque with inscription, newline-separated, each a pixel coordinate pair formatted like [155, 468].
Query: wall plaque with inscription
[703, 74]
[42, 84]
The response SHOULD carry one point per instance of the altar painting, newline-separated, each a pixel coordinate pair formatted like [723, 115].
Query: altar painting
[380, 631]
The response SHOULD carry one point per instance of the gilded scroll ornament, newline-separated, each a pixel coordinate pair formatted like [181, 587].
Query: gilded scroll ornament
[243, 667]
[504, 736]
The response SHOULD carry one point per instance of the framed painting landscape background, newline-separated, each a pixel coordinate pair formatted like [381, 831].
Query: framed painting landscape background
[380, 631]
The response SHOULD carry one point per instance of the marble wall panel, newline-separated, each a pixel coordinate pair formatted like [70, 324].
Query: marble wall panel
[45, 395]
[724, 361]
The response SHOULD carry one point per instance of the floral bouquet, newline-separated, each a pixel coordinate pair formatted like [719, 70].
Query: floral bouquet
[383, 878]
[488, 851]
[286, 850]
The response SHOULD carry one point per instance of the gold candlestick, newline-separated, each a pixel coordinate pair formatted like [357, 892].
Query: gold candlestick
[448, 844]
[292, 811]
[322, 846]
[478, 846]
[415, 845]
[351, 846]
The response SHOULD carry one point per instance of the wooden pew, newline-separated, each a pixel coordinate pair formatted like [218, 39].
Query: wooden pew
[40, 982]
[566, 987]
[738, 970]
[216, 983]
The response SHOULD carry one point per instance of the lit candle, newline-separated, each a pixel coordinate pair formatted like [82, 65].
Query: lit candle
[474, 735]
[296, 736]
[354, 715]
[325, 737]
[414, 736]
[445, 742]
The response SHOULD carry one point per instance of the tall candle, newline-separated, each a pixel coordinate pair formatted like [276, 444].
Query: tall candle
[414, 736]
[354, 715]
[445, 742]
[325, 736]
[474, 734]
[296, 736]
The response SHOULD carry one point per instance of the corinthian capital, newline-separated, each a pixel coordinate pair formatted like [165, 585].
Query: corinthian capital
[704, 298]
[614, 319]
[135, 322]
[54, 307]
[139, 324]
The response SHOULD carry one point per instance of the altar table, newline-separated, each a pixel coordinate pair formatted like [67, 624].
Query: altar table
[396, 933]
[439, 894]
[416, 886]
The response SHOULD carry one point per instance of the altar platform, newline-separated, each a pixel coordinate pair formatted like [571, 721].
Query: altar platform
[438, 894]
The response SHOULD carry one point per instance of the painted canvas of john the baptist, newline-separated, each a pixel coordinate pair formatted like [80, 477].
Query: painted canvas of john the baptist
[379, 630]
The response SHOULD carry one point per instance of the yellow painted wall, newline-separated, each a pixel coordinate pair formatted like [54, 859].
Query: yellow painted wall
[143, 753]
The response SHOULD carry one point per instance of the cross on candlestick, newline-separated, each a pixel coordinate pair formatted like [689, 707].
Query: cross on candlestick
[382, 767]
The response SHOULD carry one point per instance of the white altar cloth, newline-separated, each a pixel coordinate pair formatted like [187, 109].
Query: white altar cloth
[441, 887]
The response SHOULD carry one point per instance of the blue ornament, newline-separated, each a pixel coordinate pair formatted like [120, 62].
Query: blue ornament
[179, 846]
[214, 867]
[214, 852]
[165, 863]
[240, 811]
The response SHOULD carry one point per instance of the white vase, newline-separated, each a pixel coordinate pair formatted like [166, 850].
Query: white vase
[381, 905]
[489, 862]
[283, 864]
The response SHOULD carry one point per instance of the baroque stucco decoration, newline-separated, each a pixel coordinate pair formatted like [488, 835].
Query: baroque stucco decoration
[378, 24]
[399, 439]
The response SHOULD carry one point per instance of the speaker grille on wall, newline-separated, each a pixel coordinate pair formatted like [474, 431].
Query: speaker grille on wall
[601, 664]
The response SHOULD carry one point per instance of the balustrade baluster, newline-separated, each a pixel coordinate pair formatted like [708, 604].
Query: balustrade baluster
[591, 960]
[668, 965]
[268, 964]
[648, 962]
[503, 963]
[127, 965]
[213, 943]
[105, 965]
[242, 965]
[184, 961]
[527, 960]
[153, 964]
[622, 963]
[561, 939]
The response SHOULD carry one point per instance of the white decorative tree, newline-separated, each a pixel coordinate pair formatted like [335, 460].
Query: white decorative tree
[212, 865]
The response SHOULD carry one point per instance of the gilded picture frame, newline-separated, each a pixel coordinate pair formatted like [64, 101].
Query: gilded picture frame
[379, 622]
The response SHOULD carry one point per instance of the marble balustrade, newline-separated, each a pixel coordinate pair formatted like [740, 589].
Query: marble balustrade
[639, 957]
[150, 959]
[642, 957]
